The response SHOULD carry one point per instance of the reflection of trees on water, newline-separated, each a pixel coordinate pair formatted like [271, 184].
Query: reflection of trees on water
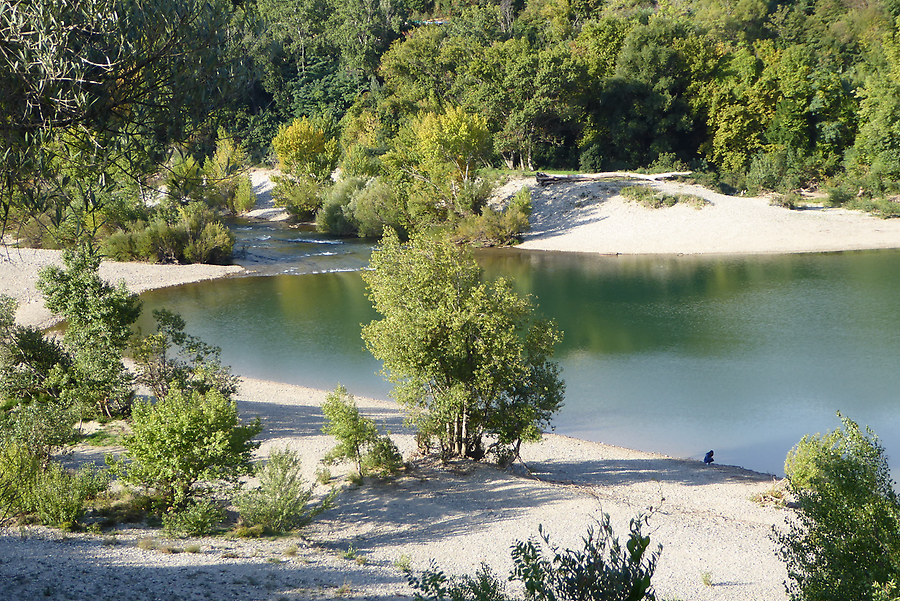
[699, 305]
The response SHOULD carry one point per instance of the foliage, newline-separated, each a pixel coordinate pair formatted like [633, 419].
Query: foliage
[357, 437]
[602, 570]
[198, 518]
[466, 359]
[228, 187]
[303, 150]
[18, 471]
[302, 197]
[57, 497]
[845, 541]
[194, 365]
[192, 233]
[335, 216]
[102, 88]
[41, 428]
[377, 206]
[281, 502]
[32, 366]
[99, 317]
[185, 444]
[497, 228]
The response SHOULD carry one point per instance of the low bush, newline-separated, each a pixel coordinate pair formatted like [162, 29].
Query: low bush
[32, 366]
[301, 197]
[281, 502]
[186, 445]
[18, 471]
[376, 206]
[198, 518]
[57, 497]
[244, 196]
[603, 570]
[188, 234]
[357, 437]
[497, 228]
[336, 215]
[42, 429]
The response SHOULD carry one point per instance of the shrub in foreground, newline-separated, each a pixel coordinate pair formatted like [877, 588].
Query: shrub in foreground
[281, 501]
[186, 444]
[845, 542]
[602, 570]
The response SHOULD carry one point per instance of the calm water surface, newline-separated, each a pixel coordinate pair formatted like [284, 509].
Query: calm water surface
[676, 354]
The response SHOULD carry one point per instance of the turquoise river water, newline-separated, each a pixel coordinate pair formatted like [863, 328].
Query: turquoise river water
[679, 355]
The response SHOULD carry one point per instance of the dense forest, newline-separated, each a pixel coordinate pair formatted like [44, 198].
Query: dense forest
[416, 102]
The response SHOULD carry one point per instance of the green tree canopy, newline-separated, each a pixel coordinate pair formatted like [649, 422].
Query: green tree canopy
[846, 540]
[467, 359]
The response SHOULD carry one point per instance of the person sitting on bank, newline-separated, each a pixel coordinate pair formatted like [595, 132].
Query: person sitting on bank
[709, 458]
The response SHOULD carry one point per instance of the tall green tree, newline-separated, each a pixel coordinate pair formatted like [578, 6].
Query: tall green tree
[468, 361]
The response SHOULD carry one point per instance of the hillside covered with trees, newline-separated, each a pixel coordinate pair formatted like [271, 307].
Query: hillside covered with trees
[135, 126]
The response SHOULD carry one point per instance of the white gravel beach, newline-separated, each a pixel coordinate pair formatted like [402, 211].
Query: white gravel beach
[716, 539]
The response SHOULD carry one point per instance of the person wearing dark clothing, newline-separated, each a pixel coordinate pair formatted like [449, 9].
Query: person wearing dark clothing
[709, 458]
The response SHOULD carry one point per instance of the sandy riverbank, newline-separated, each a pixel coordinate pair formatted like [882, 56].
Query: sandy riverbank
[463, 514]
[459, 516]
[593, 217]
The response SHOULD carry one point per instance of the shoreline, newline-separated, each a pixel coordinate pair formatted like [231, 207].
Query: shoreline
[463, 513]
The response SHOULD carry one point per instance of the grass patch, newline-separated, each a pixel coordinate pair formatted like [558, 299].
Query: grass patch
[108, 435]
[650, 198]
[774, 496]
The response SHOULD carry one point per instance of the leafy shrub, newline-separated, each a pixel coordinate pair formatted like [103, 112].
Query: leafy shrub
[353, 431]
[281, 502]
[18, 470]
[497, 228]
[198, 518]
[225, 178]
[357, 437]
[31, 364]
[189, 234]
[781, 170]
[302, 197]
[42, 429]
[213, 244]
[184, 440]
[383, 458]
[376, 206]
[194, 365]
[244, 196]
[603, 570]
[58, 496]
[434, 585]
[845, 542]
[99, 317]
[336, 217]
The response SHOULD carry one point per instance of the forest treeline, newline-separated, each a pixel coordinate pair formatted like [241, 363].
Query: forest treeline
[767, 95]
[138, 129]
